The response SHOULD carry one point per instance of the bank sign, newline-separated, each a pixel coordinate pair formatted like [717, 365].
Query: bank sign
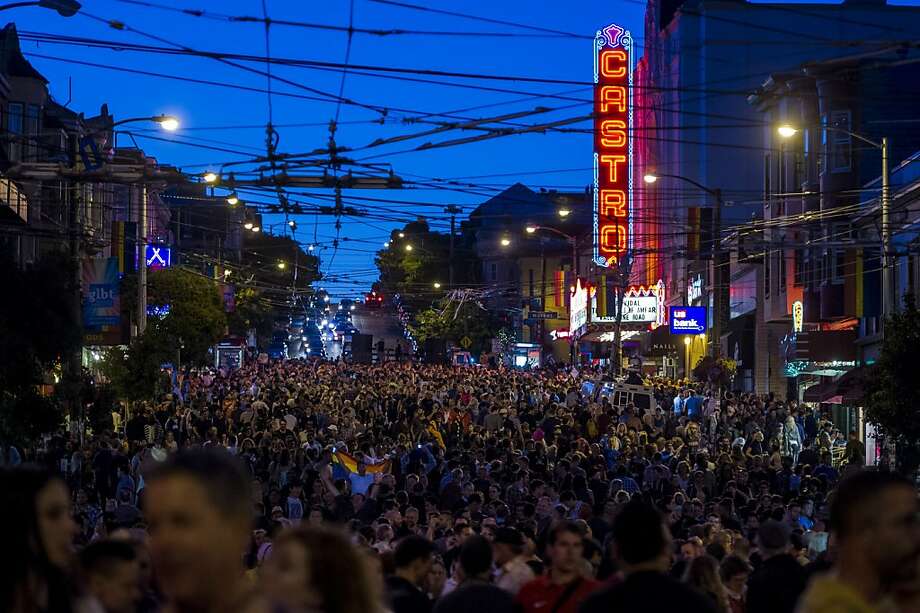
[687, 320]
[613, 145]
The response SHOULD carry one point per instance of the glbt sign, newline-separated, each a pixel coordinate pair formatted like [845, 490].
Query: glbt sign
[612, 145]
[687, 320]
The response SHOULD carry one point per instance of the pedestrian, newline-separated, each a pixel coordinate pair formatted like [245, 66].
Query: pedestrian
[563, 588]
[775, 585]
[318, 569]
[512, 570]
[642, 544]
[875, 520]
[112, 574]
[475, 593]
[198, 512]
[406, 587]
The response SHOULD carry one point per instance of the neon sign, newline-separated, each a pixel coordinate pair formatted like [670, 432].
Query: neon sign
[688, 320]
[578, 307]
[641, 304]
[613, 146]
[158, 256]
[798, 316]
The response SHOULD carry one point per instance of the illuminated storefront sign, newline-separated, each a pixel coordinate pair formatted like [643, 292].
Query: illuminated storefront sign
[641, 304]
[558, 334]
[798, 316]
[578, 307]
[158, 256]
[695, 289]
[612, 145]
[687, 320]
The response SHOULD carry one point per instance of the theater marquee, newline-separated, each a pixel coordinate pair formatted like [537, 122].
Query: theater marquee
[613, 203]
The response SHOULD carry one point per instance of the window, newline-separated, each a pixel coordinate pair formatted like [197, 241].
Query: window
[14, 128]
[798, 270]
[494, 271]
[839, 142]
[767, 262]
[781, 263]
[31, 132]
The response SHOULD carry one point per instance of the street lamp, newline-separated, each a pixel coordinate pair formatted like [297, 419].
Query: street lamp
[64, 8]
[248, 225]
[505, 242]
[256, 228]
[281, 265]
[210, 177]
[573, 240]
[233, 199]
[292, 224]
[437, 285]
[167, 122]
[402, 235]
[888, 299]
[651, 178]
[408, 247]
[386, 245]
[564, 212]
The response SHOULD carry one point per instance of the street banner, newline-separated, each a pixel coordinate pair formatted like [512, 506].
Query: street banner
[101, 300]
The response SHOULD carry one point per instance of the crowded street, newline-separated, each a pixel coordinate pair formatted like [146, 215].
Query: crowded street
[389, 306]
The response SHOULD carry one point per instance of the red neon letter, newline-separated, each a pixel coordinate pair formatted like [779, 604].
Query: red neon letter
[613, 133]
[613, 239]
[613, 63]
[612, 203]
[613, 95]
[612, 161]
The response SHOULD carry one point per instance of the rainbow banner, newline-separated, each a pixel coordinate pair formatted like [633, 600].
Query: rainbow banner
[350, 463]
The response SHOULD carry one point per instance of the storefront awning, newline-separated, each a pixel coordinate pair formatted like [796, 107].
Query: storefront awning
[820, 392]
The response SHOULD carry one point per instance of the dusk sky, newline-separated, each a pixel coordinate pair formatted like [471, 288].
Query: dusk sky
[233, 120]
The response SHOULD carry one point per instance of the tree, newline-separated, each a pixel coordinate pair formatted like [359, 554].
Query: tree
[412, 273]
[894, 386]
[38, 329]
[196, 321]
[450, 320]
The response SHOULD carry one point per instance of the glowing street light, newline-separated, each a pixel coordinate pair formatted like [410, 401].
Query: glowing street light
[256, 228]
[233, 199]
[281, 265]
[505, 242]
[408, 247]
[531, 229]
[650, 178]
[386, 245]
[564, 212]
[437, 285]
[787, 131]
[402, 235]
[210, 177]
[167, 122]
[292, 224]
[248, 225]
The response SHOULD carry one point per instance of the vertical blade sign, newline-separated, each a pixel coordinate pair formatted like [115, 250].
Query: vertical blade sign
[613, 203]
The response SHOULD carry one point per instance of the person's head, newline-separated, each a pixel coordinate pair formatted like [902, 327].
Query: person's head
[642, 540]
[565, 544]
[508, 544]
[734, 572]
[112, 573]
[198, 514]
[37, 526]
[772, 538]
[315, 568]
[413, 558]
[874, 515]
[475, 558]
[703, 574]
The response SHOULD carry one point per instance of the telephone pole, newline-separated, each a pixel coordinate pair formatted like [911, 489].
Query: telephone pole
[452, 210]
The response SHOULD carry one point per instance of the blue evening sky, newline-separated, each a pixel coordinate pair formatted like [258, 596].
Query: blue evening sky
[230, 119]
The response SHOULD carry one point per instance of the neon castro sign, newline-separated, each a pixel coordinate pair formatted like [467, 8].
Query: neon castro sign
[612, 145]
[687, 320]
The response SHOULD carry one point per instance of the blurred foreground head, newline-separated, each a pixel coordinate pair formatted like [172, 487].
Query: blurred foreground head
[198, 509]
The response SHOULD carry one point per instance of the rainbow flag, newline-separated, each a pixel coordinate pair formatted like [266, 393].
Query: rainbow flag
[350, 463]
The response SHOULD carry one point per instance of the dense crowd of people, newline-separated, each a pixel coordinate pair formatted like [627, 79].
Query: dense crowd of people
[319, 486]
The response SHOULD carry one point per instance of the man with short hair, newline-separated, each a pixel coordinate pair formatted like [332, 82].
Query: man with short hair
[475, 593]
[562, 589]
[112, 573]
[413, 558]
[512, 572]
[775, 586]
[874, 517]
[642, 546]
[198, 512]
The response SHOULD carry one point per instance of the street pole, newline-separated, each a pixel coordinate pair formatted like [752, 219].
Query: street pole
[889, 300]
[717, 272]
[574, 241]
[624, 271]
[142, 263]
[453, 210]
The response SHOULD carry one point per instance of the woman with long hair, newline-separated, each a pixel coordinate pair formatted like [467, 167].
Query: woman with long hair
[37, 542]
[703, 574]
[318, 569]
